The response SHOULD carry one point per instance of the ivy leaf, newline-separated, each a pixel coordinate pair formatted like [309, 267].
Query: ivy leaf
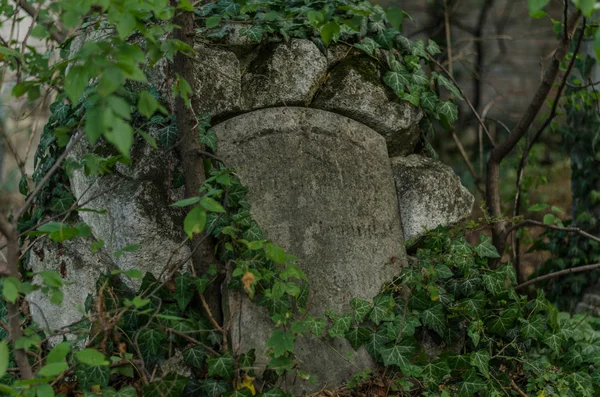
[383, 309]
[494, 282]
[471, 384]
[171, 385]
[275, 392]
[357, 336]
[433, 48]
[209, 138]
[92, 375]
[434, 318]
[397, 355]
[386, 38]
[255, 32]
[485, 248]
[221, 367]
[533, 328]
[315, 326]
[405, 325]
[481, 360]
[361, 308]
[474, 331]
[194, 356]
[340, 326]
[397, 81]
[168, 135]
[376, 342]
[127, 391]
[448, 84]
[420, 78]
[281, 342]
[213, 387]
[435, 370]
[449, 110]
[152, 343]
[183, 290]
[368, 45]
[429, 101]
[554, 341]
[246, 361]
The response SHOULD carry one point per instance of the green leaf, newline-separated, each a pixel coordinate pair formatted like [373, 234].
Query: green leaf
[536, 5]
[383, 309]
[385, 38]
[549, 219]
[471, 384]
[481, 360]
[537, 207]
[186, 202]
[586, 6]
[395, 16]
[221, 367]
[183, 290]
[554, 341]
[10, 289]
[435, 370]
[397, 81]
[533, 328]
[147, 104]
[45, 390]
[3, 358]
[194, 356]
[10, 52]
[120, 135]
[449, 85]
[433, 48]
[434, 318]
[377, 341]
[75, 82]
[94, 123]
[397, 355]
[315, 325]
[275, 253]
[361, 308]
[53, 369]
[255, 32]
[357, 336]
[213, 21]
[368, 46]
[281, 342]
[211, 204]
[209, 138]
[329, 31]
[449, 110]
[340, 326]
[51, 278]
[495, 282]
[404, 325]
[171, 385]
[293, 271]
[152, 344]
[194, 221]
[91, 357]
[58, 353]
[127, 391]
[485, 248]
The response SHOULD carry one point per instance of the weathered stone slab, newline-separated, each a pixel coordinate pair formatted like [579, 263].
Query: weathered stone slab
[79, 269]
[218, 81]
[283, 74]
[134, 202]
[320, 185]
[355, 90]
[430, 194]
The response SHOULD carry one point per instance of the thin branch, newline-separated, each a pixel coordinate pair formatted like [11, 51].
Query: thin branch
[560, 273]
[49, 174]
[55, 28]
[501, 151]
[531, 222]
[465, 157]
[462, 93]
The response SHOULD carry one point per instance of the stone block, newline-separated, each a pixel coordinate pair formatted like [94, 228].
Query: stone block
[319, 185]
[430, 194]
[283, 74]
[355, 90]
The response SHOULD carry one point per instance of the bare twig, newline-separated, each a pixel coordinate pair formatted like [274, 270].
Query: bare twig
[530, 222]
[560, 273]
[502, 150]
[55, 28]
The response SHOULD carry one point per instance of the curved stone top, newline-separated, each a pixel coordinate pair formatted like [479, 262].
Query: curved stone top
[237, 79]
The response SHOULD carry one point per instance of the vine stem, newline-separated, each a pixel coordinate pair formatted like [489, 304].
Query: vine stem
[560, 273]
